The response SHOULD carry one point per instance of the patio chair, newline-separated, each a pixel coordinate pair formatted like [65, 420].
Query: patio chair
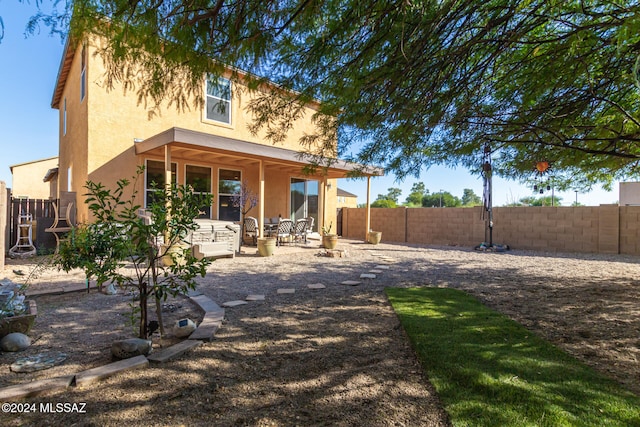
[283, 232]
[300, 230]
[251, 228]
[309, 224]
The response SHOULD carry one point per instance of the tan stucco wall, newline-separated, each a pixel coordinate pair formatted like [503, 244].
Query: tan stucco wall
[73, 154]
[27, 178]
[102, 128]
[346, 202]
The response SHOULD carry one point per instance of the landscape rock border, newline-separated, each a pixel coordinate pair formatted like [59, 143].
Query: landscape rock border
[213, 316]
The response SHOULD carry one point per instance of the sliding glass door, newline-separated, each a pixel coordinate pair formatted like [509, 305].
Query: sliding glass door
[304, 200]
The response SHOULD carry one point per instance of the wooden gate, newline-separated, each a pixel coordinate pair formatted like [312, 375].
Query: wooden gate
[42, 215]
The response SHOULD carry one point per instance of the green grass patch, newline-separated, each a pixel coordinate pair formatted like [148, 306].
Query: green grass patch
[490, 371]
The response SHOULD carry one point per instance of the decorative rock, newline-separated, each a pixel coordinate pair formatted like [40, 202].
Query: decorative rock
[184, 328]
[38, 362]
[15, 341]
[111, 289]
[131, 347]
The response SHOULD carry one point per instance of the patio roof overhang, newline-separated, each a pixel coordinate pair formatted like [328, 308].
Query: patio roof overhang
[191, 144]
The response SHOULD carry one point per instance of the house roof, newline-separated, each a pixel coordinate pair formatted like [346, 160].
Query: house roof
[63, 72]
[188, 140]
[343, 193]
[31, 162]
[51, 173]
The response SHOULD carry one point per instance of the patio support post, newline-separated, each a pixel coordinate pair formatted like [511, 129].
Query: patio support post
[261, 200]
[167, 184]
[323, 203]
[368, 211]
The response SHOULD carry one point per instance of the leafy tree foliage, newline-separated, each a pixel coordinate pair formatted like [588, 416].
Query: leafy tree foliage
[389, 200]
[384, 203]
[541, 201]
[470, 198]
[417, 192]
[442, 199]
[408, 84]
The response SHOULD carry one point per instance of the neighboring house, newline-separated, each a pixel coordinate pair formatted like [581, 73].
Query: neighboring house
[36, 179]
[629, 194]
[346, 199]
[106, 134]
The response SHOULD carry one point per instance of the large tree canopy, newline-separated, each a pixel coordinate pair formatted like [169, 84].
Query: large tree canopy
[410, 83]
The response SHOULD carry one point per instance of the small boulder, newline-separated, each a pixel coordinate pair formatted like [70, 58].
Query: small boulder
[15, 341]
[131, 347]
[111, 289]
[184, 327]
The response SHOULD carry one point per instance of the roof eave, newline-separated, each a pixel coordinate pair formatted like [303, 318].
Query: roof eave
[63, 72]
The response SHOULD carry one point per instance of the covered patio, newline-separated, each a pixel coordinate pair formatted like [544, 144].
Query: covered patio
[287, 184]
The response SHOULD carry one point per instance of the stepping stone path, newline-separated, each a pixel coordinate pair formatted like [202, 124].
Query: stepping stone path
[255, 298]
[38, 362]
[375, 271]
[367, 276]
[316, 286]
[233, 303]
[350, 282]
[286, 291]
[381, 267]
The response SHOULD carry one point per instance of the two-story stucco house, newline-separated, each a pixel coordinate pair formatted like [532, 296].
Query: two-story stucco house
[106, 134]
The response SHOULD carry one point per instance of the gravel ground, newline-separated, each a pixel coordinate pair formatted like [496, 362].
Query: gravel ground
[334, 356]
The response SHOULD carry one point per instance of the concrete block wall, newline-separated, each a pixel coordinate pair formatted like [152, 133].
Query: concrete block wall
[587, 229]
[445, 226]
[392, 223]
[630, 230]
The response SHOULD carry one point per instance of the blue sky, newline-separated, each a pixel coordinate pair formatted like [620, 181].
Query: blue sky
[30, 126]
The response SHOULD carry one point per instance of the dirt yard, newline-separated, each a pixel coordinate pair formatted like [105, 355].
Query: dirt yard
[334, 356]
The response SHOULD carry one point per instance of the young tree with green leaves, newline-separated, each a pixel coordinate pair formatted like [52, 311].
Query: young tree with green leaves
[118, 236]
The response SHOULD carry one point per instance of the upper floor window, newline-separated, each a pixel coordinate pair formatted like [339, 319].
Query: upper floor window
[218, 102]
[83, 73]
